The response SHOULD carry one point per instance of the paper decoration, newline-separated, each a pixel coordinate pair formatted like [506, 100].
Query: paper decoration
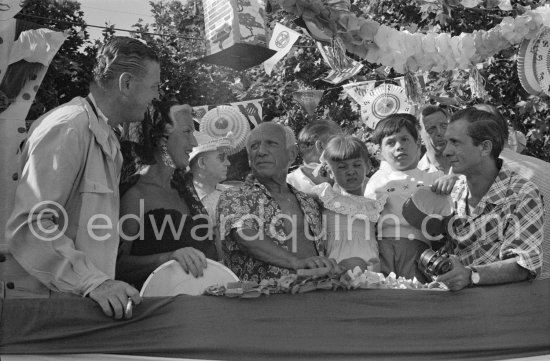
[534, 63]
[26, 51]
[218, 122]
[422, 80]
[235, 33]
[542, 64]
[382, 101]
[358, 91]
[526, 65]
[380, 44]
[477, 84]
[309, 99]
[281, 41]
[251, 109]
[342, 66]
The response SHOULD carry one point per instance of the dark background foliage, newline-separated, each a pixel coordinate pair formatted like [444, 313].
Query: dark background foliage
[190, 81]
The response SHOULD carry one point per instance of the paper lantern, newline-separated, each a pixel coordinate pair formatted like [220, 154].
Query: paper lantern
[235, 33]
[309, 99]
[218, 122]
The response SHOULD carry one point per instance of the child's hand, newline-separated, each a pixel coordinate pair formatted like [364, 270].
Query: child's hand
[444, 185]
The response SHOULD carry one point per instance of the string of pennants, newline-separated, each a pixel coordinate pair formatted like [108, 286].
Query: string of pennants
[250, 109]
[375, 102]
[342, 67]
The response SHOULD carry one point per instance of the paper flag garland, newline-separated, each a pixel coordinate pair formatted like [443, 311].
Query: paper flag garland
[251, 109]
[282, 40]
[309, 99]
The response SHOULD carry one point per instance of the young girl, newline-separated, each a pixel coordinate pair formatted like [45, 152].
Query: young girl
[348, 217]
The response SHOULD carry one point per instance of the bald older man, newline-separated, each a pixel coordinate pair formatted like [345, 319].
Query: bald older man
[268, 228]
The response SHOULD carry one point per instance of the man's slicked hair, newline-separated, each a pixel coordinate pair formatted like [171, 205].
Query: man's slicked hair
[482, 126]
[121, 54]
[498, 116]
[432, 109]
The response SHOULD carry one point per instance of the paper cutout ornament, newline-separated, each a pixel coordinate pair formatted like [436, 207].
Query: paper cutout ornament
[235, 33]
[526, 65]
[308, 99]
[542, 61]
[218, 122]
[382, 101]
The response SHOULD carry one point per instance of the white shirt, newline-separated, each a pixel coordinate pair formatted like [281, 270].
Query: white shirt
[425, 164]
[300, 181]
[398, 186]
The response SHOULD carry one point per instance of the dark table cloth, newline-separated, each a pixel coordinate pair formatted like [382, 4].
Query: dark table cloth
[493, 322]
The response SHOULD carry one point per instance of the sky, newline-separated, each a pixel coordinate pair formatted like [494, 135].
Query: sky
[122, 13]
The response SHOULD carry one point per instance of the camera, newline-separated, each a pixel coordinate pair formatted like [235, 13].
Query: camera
[435, 263]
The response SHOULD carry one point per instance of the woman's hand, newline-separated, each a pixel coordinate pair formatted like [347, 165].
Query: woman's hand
[191, 260]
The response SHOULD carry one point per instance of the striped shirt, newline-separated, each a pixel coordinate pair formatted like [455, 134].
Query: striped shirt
[506, 223]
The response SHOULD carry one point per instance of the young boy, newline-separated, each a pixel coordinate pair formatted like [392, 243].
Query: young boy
[401, 244]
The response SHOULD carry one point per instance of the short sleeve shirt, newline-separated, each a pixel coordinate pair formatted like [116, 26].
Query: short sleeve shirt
[252, 207]
[506, 223]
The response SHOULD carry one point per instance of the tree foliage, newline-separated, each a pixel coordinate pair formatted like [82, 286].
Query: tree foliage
[188, 80]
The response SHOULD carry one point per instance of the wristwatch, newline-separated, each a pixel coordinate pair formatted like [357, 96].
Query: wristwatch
[474, 276]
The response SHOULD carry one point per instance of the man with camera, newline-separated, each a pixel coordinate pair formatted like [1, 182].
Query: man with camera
[497, 232]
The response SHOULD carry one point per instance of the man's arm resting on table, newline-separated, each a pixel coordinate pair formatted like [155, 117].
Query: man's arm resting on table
[267, 251]
[506, 271]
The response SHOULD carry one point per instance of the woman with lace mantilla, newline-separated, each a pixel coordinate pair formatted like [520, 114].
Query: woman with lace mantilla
[349, 217]
[169, 228]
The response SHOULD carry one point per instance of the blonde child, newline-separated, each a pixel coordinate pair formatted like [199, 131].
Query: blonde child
[349, 218]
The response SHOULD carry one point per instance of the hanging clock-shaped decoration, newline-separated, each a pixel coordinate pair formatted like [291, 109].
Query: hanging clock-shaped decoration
[526, 64]
[382, 101]
[542, 57]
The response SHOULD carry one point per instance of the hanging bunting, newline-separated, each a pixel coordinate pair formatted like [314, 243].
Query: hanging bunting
[342, 66]
[422, 79]
[251, 109]
[381, 44]
[308, 99]
[235, 33]
[413, 88]
[282, 40]
[477, 84]
[358, 91]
